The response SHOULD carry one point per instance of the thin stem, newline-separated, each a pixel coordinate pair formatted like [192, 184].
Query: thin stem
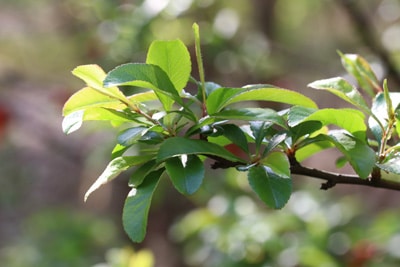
[200, 65]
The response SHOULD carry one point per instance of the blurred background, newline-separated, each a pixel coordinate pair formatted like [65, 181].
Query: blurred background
[44, 173]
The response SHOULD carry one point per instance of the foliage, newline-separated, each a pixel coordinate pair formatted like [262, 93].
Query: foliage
[234, 230]
[169, 127]
[60, 238]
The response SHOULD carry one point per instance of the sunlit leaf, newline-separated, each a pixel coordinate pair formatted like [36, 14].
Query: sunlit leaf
[88, 98]
[114, 168]
[93, 75]
[222, 97]
[343, 89]
[186, 173]
[137, 206]
[271, 188]
[174, 58]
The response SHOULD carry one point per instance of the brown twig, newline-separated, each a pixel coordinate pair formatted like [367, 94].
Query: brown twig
[333, 179]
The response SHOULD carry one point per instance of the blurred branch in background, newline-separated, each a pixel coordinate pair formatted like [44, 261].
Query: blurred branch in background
[365, 28]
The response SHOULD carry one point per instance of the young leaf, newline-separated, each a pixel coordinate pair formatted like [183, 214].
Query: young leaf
[114, 168]
[343, 89]
[362, 71]
[93, 75]
[222, 97]
[137, 206]
[186, 173]
[172, 57]
[271, 188]
[145, 76]
[177, 146]
[89, 98]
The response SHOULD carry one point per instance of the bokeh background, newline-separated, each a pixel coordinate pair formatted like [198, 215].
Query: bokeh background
[44, 173]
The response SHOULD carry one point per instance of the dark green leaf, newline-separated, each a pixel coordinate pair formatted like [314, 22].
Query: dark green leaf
[141, 172]
[177, 146]
[259, 130]
[251, 114]
[174, 58]
[392, 165]
[360, 156]
[235, 135]
[275, 140]
[130, 136]
[146, 76]
[186, 173]
[137, 205]
[271, 188]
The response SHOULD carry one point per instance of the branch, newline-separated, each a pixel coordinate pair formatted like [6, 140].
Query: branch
[333, 179]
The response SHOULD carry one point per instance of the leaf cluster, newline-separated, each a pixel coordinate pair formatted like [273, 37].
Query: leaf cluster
[167, 129]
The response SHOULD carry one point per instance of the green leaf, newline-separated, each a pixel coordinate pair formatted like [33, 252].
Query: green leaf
[360, 156]
[141, 172]
[145, 76]
[177, 146]
[380, 111]
[131, 135]
[137, 206]
[222, 97]
[279, 163]
[186, 173]
[93, 75]
[311, 149]
[362, 71]
[114, 168]
[275, 140]
[259, 130]
[304, 129]
[174, 58]
[251, 114]
[343, 89]
[74, 120]
[236, 136]
[271, 188]
[89, 98]
[351, 120]
[392, 165]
